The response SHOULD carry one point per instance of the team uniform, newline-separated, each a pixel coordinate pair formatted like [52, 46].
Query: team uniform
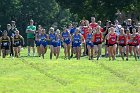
[135, 40]
[88, 40]
[5, 44]
[122, 40]
[77, 40]
[43, 40]
[84, 31]
[129, 40]
[97, 38]
[112, 39]
[17, 41]
[139, 40]
[58, 41]
[37, 41]
[93, 25]
[66, 37]
[53, 40]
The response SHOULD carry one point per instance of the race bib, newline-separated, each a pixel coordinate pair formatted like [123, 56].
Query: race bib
[5, 43]
[113, 39]
[66, 39]
[90, 42]
[17, 42]
[98, 40]
[76, 41]
[121, 41]
[135, 41]
[53, 40]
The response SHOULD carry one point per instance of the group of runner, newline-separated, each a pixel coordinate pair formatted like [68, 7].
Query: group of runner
[10, 41]
[89, 37]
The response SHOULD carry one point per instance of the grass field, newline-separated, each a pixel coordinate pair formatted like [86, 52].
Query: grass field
[35, 75]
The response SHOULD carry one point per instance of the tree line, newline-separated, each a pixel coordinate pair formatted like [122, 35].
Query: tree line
[61, 12]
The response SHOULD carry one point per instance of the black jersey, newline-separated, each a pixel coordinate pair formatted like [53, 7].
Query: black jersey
[17, 41]
[5, 43]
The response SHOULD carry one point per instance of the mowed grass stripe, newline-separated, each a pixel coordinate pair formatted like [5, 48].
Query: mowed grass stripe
[83, 74]
[59, 80]
[128, 71]
[16, 77]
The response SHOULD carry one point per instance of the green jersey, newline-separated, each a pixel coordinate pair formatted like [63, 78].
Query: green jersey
[32, 28]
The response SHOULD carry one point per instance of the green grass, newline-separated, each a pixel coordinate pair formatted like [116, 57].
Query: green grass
[35, 75]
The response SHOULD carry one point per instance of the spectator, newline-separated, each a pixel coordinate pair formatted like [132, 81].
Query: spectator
[13, 26]
[31, 29]
[93, 23]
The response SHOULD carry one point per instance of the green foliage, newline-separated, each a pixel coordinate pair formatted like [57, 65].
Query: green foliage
[102, 9]
[61, 12]
[43, 12]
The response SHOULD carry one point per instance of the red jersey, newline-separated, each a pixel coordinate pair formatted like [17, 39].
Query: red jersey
[93, 25]
[135, 40]
[98, 37]
[112, 38]
[101, 29]
[129, 41]
[122, 39]
[139, 39]
[85, 31]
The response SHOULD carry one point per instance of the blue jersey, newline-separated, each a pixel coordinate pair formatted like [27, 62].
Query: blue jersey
[52, 37]
[88, 38]
[38, 40]
[59, 40]
[43, 37]
[66, 37]
[72, 31]
[53, 40]
[77, 38]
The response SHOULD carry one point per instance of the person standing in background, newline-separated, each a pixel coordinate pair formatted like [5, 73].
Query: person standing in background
[30, 30]
[13, 26]
[93, 23]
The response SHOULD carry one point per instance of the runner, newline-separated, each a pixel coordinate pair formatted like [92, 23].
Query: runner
[129, 44]
[122, 42]
[89, 43]
[10, 33]
[37, 39]
[5, 44]
[77, 39]
[43, 43]
[53, 43]
[135, 42]
[84, 31]
[58, 39]
[72, 28]
[139, 42]
[97, 40]
[66, 38]
[106, 31]
[112, 39]
[17, 42]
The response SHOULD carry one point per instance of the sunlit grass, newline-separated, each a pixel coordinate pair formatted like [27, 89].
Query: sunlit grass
[37, 75]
